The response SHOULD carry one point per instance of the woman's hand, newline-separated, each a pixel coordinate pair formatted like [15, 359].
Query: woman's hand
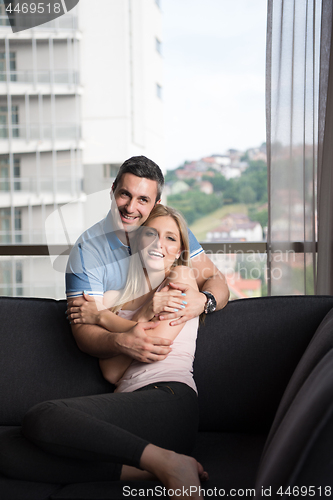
[89, 311]
[196, 305]
[167, 300]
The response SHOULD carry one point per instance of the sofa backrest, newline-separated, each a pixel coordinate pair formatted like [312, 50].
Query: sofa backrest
[245, 357]
[39, 358]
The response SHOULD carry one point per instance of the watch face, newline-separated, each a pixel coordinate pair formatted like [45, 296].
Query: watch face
[210, 304]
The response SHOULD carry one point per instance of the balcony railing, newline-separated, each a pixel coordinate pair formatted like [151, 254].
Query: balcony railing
[45, 184]
[42, 76]
[35, 131]
[233, 259]
[63, 23]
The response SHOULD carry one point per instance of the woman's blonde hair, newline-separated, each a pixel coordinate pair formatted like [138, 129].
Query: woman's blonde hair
[134, 277]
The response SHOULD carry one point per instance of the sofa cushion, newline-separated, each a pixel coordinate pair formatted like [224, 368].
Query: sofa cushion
[20, 458]
[246, 355]
[39, 358]
[300, 452]
[23, 490]
[321, 343]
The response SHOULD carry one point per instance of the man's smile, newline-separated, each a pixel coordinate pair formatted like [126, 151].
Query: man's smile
[127, 217]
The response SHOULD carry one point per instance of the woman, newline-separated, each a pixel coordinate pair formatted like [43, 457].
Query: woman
[154, 408]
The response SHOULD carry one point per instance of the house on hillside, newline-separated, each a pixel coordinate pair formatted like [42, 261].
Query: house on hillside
[206, 187]
[236, 227]
[243, 288]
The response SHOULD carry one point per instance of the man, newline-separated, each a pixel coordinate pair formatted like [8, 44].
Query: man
[99, 262]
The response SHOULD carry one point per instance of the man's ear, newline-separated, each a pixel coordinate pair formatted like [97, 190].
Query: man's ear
[159, 201]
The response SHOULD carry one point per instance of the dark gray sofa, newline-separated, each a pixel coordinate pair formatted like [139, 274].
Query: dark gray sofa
[264, 371]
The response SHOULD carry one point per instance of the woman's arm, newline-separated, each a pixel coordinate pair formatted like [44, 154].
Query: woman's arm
[182, 274]
[94, 312]
[114, 368]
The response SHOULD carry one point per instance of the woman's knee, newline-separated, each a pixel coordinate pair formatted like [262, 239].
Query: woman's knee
[37, 422]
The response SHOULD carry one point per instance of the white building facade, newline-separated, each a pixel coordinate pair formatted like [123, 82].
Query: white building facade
[78, 96]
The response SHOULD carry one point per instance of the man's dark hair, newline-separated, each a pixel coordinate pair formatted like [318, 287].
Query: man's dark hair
[142, 167]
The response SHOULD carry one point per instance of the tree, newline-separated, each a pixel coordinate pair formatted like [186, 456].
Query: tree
[171, 175]
[195, 204]
[260, 216]
[190, 182]
[219, 182]
[247, 195]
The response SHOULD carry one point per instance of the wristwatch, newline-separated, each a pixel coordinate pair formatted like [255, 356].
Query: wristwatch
[210, 304]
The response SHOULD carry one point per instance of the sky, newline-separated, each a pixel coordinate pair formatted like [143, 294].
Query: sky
[214, 77]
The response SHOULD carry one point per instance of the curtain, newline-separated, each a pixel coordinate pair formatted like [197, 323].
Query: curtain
[325, 157]
[298, 146]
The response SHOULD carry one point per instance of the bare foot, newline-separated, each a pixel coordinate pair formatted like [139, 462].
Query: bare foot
[180, 474]
[129, 473]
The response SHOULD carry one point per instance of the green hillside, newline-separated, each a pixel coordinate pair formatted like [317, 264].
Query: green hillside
[201, 226]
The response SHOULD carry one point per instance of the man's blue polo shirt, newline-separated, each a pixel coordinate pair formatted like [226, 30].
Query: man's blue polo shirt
[99, 261]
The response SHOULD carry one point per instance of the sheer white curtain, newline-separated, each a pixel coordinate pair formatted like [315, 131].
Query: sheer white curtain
[325, 156]
[298, 51]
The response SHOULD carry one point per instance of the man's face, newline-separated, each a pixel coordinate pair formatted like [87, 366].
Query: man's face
[135, 198]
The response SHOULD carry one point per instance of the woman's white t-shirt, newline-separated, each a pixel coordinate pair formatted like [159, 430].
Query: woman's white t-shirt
[176, 367]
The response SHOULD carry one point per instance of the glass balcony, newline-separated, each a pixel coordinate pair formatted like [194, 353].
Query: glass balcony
[58, 77]
[30, 277]
[64, 23]
[47, 131]
[45, 184]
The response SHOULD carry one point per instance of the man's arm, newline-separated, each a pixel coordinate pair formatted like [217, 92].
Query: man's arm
[101, 343]
[132, 341]
[209, 279]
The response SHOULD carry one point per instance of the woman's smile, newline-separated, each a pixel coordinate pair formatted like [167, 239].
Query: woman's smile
[160, 243]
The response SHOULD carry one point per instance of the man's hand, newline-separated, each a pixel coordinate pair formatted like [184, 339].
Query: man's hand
[195, 305]
[138, 344]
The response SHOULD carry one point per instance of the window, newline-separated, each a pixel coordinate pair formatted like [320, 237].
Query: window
[17, 175]
[158, 45]
[5, 174]
[111, 170]
[12, 66]
[5, 278]
[9, 269]
[158, 91]
[5, 225]
[4, 20]
[4, 122]
[19, 277]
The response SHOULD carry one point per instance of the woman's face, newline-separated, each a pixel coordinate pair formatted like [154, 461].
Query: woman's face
[160, 243]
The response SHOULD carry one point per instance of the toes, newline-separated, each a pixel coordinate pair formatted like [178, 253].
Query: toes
[204, 476]
[200, 468]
